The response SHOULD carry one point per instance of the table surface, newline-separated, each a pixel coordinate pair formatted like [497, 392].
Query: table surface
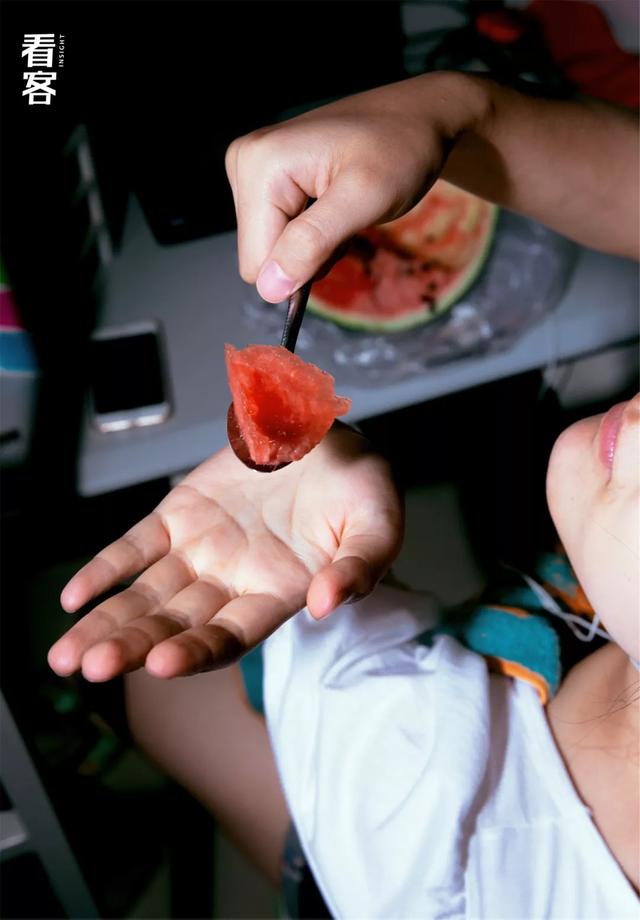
[195, 291]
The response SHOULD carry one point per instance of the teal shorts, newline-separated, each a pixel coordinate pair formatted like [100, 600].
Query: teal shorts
[252, 668]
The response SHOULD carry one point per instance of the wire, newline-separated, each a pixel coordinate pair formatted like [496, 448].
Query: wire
[572, 620]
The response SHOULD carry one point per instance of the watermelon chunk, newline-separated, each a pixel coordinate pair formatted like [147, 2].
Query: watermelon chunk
[283, 405]
[406, 272]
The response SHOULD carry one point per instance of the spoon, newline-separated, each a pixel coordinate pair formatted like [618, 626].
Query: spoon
[292, 323]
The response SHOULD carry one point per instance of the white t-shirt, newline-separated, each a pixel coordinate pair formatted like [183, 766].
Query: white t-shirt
[421, 784]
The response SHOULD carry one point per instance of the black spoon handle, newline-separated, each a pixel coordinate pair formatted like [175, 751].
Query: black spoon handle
[295, 313]
[296, 308]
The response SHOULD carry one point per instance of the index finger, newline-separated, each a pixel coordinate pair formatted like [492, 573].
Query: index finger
[263, 212]
[141, 546]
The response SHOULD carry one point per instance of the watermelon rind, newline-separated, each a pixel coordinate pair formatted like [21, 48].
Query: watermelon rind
[360, 323]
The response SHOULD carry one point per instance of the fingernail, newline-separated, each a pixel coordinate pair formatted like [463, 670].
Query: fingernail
[273, 284]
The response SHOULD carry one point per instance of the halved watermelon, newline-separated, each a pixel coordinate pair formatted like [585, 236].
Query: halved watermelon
[404, 273]
[284, 406]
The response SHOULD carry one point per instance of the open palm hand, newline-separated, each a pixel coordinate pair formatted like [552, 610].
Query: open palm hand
[228, 556]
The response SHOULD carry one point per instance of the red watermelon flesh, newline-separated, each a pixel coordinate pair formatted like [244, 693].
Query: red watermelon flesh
[284, 406]
[404, 273]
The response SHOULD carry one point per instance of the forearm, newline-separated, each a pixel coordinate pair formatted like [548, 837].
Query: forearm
[367, 159]
[572, 165]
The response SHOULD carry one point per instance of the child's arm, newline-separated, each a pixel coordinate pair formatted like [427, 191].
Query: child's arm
[368, 158]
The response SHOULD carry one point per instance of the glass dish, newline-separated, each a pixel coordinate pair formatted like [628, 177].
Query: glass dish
[526, 274]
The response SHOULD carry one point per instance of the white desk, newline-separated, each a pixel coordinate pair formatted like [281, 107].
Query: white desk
[195, 291]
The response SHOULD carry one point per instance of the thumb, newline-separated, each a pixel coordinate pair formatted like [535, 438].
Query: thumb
[359, 564]
[351, 203]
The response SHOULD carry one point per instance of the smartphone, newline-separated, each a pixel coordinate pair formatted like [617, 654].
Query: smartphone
[128, 383]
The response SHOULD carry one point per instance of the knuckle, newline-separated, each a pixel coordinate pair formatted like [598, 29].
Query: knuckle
[366, 178]
[243, 143]
[261, 153]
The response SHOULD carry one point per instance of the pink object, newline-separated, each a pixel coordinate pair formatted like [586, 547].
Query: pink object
[583, 46]
[501, 26]
[9, 318]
